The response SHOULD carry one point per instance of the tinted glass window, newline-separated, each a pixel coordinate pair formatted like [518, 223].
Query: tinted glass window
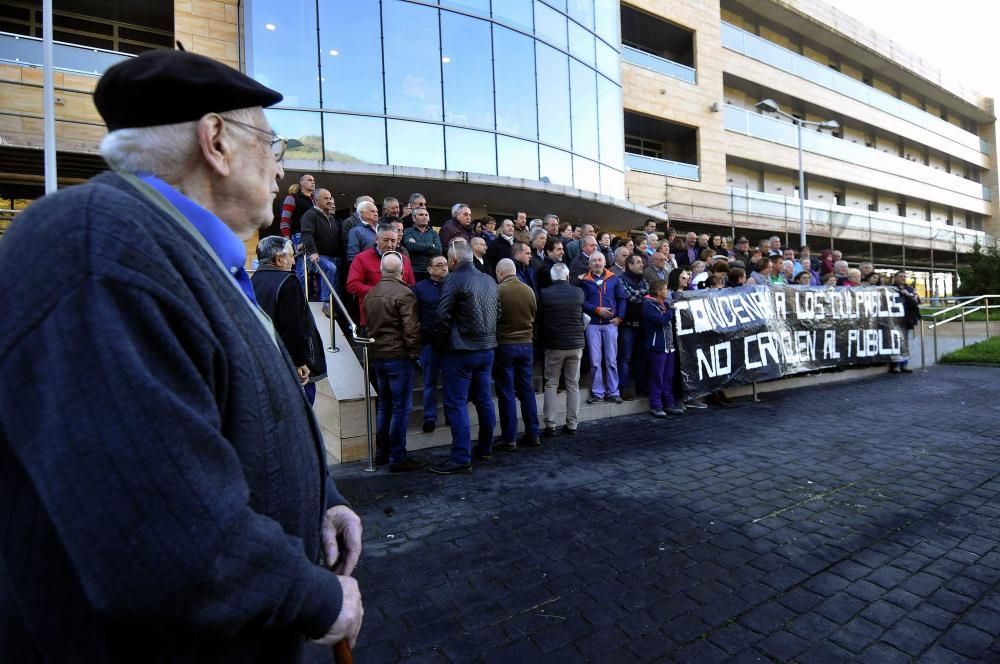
[467, 61]
[608, 61]
[553, 96]
[351, 60]
[514, 73]
[354, 138]
[607, 16]
[472, 151]
[584, 99]
[609, 107]
[301, 126]
[516, 158]
[478, 6]
[412, 74]
[274, 29]
[550, 25]
[582, 11]
[416, 144]
[516, 12]
[555, 165]
[586, 174]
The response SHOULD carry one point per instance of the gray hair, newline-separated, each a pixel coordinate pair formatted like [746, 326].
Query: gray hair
[392, 264]
[840, 264]
[505, 267]
[550, 215]
[457, 207]
[536, 233]
[389, 199]
[460, 252]
[167, 151]
[271, 247]
[559, 272]
[361, 199]
[535, 223]
[866, 264]
[382, 229]
[364, 205]
[587, 239]
[620, 252]
[414, 198]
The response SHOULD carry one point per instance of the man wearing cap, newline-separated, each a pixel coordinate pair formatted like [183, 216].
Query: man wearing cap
[163, 475]
[742, 252]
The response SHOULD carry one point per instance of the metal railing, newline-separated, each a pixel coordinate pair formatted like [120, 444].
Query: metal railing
[336, 304]
[963, 307]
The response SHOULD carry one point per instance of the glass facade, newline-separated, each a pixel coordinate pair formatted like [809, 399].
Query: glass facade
[516, 88]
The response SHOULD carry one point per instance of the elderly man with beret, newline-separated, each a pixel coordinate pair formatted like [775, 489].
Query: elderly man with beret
[164, 478]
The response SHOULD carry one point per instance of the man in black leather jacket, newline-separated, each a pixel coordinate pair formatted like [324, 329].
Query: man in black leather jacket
[560, 324]
[466, 328]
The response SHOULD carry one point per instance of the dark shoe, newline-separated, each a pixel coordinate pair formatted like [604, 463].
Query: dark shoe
[628, 395]
[594, 399]
[326, 309]
[529, 441]
[905, 370]
[381, 461]
[429, 426]
[893, 369]
[406, 465]
[449, 467]
[480, 455]
[549, 432]
[506, 446]
[568, 431]
[675, 411]
[616, 399]
[657, 412]
[695, 403]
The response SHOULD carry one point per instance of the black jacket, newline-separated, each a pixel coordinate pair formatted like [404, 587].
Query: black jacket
[280, 295]
[468, 310]
[320, 234]
[498, 250]
[560, 316]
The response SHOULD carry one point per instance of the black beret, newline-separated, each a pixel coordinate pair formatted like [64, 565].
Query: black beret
[166, 87]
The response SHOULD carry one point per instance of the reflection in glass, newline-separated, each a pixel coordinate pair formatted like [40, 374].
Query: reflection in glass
[301, 126]
[351, 59]
[553, 95]
[354, 138]
[550, 25]
[586, 174]
[555, 165]
[612, 182]
[275, 28]
[607, 16]
[516, 12]
[514, 69]
[583, 11]
[611, 119]
[415, 144]
[412, 68]
[581, 43]
[608, 61]
[472, 151]
[583, 82]
[517, 158]
[468, 87]
[478, 6]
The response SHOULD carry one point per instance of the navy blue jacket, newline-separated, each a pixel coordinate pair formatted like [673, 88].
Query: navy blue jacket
[657, 326]
[428, 293]
[162, 477]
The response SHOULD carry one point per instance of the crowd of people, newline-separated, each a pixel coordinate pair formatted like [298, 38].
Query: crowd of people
[476, 304]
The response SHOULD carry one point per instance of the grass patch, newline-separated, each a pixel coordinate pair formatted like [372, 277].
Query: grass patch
[975, 316]
[985, 351]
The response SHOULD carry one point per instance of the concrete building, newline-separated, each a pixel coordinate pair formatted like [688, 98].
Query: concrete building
[598, 110]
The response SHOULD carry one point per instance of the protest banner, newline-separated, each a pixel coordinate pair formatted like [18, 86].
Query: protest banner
[737, 336]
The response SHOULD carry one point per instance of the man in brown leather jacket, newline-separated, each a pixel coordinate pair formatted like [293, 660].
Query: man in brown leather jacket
[393, 321]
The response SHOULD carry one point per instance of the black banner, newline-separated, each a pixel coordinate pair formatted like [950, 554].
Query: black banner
[737, 336]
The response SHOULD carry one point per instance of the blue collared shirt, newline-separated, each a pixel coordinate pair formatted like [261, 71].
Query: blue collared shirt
[220, 237]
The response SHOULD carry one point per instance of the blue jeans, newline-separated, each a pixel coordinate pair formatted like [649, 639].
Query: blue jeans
[630, 357]
[310, 390]
[467, 374]
[512, 374]
[395, 398]
[430, 359]
[329, 267]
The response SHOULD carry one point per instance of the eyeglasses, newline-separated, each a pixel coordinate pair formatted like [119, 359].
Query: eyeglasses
[278, 143]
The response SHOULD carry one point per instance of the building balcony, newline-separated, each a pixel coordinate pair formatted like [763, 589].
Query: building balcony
[659, 65]
[779, 131]
[762, 50]
[665, 167]
[27, 51]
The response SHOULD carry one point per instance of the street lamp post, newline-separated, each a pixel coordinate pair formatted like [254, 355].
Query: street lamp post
[771, 106]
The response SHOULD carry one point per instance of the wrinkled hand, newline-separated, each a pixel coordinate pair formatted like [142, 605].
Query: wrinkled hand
[616, 321]
[349, 619]
[341, 539]
[303, 373]
[604, 312]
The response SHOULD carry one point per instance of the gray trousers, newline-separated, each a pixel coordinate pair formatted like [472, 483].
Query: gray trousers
[567, 363]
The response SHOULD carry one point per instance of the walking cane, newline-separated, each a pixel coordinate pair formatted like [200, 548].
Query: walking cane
[342, 653]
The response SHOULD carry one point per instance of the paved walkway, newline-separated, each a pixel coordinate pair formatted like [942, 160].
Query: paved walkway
[857, 521]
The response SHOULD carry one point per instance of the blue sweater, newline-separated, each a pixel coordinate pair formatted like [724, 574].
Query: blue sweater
[162, 477]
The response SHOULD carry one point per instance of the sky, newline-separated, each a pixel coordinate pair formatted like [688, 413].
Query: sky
[959, 37]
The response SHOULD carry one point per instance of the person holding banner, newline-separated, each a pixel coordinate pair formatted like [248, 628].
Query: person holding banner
[658, 320]
[911, 317]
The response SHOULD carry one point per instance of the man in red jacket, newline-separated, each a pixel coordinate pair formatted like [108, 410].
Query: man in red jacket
[366, 268]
